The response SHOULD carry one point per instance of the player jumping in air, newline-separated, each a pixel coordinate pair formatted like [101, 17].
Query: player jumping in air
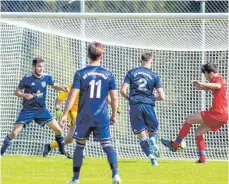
[93, 83]
[34, 108]
[209, 120]
[142, 82]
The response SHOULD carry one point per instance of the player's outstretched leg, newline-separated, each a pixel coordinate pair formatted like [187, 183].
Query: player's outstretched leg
[67, 140]
[192, 119]
[169, 144]
[6, 143]
[112, 159]
[153, 139]
[8, 139]
[173, 145]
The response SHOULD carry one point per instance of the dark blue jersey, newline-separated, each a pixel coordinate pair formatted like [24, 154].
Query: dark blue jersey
[37, 87]
[142, 83]
[94, 83]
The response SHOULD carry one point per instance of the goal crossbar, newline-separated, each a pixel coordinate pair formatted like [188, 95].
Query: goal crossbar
[115, 15]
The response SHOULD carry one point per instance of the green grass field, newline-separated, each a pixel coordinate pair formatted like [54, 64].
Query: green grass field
[39, 170]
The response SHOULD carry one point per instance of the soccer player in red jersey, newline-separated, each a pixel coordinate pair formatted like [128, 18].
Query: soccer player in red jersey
[209, 120]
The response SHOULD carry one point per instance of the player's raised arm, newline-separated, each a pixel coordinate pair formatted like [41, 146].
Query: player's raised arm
[206, 86]
[210, 71]
[59, 88]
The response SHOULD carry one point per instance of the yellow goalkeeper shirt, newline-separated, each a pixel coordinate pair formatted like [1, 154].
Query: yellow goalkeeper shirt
[63, 95]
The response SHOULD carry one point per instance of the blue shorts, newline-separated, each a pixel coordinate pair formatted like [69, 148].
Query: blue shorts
[100, 133]
[143, 116]
[40, 115]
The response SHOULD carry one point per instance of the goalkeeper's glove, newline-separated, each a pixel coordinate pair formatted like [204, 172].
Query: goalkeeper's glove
[119, 111]
[58, 113]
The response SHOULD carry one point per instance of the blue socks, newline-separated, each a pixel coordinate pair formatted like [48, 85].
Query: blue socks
[179, 140]
[77, 160]
[60, 141]
[111, 157]
[145, 146]
[6, 143]
[154, 134]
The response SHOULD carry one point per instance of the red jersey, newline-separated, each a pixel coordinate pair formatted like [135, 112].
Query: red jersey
[220, 101]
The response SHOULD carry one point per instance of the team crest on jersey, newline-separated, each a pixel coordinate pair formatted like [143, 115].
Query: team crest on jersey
[43, 84]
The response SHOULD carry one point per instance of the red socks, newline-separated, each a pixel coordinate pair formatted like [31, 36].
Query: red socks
[201, 147]
[183, 133]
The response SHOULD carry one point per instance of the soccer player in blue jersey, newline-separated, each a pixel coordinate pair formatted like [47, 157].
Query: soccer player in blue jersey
[32, 88]
[93, 83]
[142, 82]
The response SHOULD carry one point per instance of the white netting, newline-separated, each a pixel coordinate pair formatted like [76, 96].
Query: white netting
[150, 33]
[63, 55]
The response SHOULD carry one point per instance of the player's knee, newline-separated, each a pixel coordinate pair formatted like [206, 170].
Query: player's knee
[197, 132]
[142, 135]
[58, 131]
[108, 148]
[13, 134]
[68, 140]
[189, 119]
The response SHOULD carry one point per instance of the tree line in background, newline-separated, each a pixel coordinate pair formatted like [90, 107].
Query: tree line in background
[116, 6]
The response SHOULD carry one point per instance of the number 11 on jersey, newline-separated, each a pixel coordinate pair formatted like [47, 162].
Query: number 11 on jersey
[92, 88]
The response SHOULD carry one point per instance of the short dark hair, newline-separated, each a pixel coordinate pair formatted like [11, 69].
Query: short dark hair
[146, 56]
[209, 67]
[37, 60]
[95, 50]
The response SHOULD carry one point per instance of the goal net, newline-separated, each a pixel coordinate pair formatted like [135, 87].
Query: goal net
[180, 43]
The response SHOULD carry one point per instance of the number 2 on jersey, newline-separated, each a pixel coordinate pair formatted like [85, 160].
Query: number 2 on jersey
[92, 88]
[142, 83]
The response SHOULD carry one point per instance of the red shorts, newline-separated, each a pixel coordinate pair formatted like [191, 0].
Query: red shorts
[213, 119]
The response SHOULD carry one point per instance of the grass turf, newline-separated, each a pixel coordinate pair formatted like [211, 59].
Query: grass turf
[39, 170]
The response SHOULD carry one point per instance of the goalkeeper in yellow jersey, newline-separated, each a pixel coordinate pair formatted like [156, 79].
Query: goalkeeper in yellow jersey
[71, 118]
[72, 115]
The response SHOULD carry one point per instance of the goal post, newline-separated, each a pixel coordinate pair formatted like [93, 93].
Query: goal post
[174, 39]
